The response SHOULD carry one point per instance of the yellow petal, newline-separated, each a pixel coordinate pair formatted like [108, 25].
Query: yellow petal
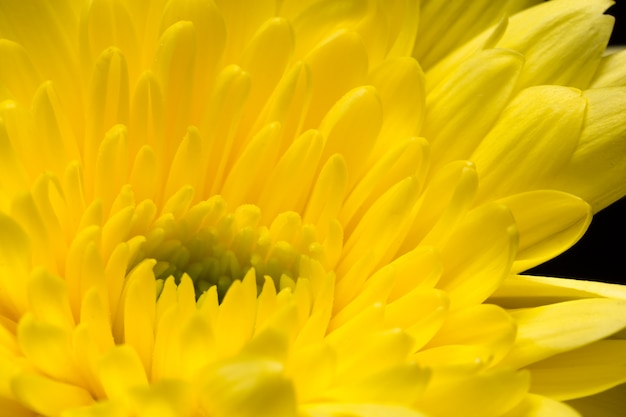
[596, 169]
[96, 318]
[609, 72]
[167, 398]
[315, 20]
[478, 255]
[311, 370]
[18, 130]
[140, 310]
[399, 385]
[539, 128]
[147, 116]
[379, 233]
[391, 348]
[15, 261]
[243, 25]
[12, 173]
[197, 345]
[167, 360]
[31, 219]
[121, 370]
[409, 16]
[220, 124]
[237, 312]
[547, 330]
[112, 165]
[293, 174]
[248, 173]
[420, 267]
[562, 42]
[13, 408]
[49, 397]
[248, 388]
[187, 166]
[210, 30]
[538, 406]
[55, 132]
[49, 301]
[104, 24]
[458, 114]
[359, 410]
[289, 101]
[175, 68]
[450, 193]
[116, 229]
[114, 276]
[265, 58]
[488, 394]
[48, 32]
[108, 105]
[421, 313]
[407, 159]
[480, 325]
[100, 409]
[400, 84]
[582, 372]
[337, 65]
[607, 404]
[17, 85]
[47, 347]
[327, 194]
[549, 222]
[351, 127]
[443, 27]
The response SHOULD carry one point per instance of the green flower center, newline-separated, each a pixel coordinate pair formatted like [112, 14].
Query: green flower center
[215, 248]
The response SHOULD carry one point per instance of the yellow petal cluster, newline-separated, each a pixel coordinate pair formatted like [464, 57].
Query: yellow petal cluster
[306, 208]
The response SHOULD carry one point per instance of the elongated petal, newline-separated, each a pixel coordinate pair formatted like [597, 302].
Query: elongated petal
[538, 406]
[488, 394]
[540, 121]
[47, 396]
[458, 116]
[548, 330]
[549, 222]
[581, 372]
[607, 404]
[605, 128]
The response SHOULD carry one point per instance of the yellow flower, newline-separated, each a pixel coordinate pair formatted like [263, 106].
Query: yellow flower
[306, 208]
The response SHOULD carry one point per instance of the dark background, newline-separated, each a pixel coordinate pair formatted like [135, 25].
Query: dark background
[619, 33]
[601, 254]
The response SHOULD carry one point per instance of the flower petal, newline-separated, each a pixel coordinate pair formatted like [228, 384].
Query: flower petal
[120, 370]
[576, 32]
[581, 372]
[596, 169]
[548, 330]
[538, 406]
[487, 394]
[248, 388]
[539, 128]
[478, 255]
[606, 404]
[458, 115]
[49, 397]
[549, 222]
[359, 410]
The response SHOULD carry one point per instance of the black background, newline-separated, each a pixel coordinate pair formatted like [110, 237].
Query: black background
[601, 254]
[619, 33]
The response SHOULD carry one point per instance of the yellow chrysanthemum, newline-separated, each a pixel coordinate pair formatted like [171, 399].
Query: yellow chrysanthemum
[306, 208]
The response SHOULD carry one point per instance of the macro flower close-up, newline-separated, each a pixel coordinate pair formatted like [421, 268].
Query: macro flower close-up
[308, 208]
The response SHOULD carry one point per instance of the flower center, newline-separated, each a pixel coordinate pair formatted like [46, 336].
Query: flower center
[215, 248]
